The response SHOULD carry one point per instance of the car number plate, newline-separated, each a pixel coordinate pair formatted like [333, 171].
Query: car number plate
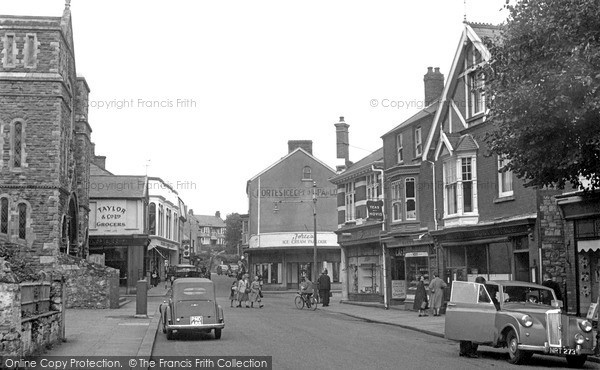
[196, 320]
[568, 351]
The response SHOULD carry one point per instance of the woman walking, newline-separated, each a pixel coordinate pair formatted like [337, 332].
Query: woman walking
[243, 289]
[234, 290]
[255, 293]
[420, 303]
[437, 286]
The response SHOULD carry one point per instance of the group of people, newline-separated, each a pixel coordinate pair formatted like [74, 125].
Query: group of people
[423, 301]
[244, 291]
[323, 288]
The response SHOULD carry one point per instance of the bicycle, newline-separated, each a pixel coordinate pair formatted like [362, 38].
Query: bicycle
[301, 300]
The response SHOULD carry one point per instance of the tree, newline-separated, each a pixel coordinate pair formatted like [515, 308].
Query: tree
[233, 232]
[544, 82]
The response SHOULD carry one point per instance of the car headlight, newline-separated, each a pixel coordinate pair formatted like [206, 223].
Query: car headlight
[526, 321]
[586, 326]
[579, 339]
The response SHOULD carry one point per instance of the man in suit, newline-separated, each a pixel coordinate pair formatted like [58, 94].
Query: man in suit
[324, 287]
[548, 282]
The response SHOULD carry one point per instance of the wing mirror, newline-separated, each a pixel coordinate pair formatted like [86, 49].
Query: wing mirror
[556, 303]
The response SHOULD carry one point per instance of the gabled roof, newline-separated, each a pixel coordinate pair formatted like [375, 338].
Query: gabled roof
[473, 33]
[110, 186]
[362, 166]
[212, 221]
[429, 110]
[96, 170]
[286, 157]
[455, 142]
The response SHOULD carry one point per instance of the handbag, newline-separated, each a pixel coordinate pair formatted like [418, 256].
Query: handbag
[423, 305]
[260, 293]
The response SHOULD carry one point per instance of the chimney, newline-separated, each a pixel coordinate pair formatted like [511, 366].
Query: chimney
[100, 161]
[434, 85]
[304, 144]
[218, 214]
[342, 142]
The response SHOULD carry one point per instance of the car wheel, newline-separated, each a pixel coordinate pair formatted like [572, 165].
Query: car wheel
[576, 361]
[170, 334]
[299, 302]
[217, 333]
[515, 355]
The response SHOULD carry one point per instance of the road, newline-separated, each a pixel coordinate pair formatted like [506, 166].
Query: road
[327, 340]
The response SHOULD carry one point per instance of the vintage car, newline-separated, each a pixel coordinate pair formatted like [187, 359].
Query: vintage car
[192, 307]
[524, 317]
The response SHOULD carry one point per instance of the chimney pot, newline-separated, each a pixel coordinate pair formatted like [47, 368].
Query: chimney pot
[341, 118]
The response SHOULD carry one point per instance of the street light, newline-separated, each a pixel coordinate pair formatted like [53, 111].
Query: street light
[314, 207]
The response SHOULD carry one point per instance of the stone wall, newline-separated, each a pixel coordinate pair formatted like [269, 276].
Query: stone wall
[89, 285]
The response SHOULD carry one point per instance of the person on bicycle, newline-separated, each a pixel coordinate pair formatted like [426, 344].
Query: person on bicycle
[306, 290]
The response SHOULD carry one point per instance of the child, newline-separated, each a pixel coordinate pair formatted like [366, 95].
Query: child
[233, 294]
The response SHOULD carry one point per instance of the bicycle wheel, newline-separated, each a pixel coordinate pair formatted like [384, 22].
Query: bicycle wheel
[313, 303]
[299, 302]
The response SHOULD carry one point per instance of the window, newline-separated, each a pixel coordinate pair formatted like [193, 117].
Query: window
[10, 51]
[22, 221]
[161, 220]
[168, 224]
[306, 173]
[373, 192]
[460, 186]
[397, 201]
[410, 199]
[3, 216]
[17, 144]
[30, 50]
[476, 92]
[418, 143]
[399, 148]
[152, 219]
[505, 188]
[349, 196]
[175, 227]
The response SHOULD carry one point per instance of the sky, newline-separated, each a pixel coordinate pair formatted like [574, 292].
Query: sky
[206, 94]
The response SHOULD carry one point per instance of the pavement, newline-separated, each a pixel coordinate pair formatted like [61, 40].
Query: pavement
[122, 332]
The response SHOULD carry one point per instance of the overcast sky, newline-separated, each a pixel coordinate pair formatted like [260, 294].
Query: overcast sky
[207, 93]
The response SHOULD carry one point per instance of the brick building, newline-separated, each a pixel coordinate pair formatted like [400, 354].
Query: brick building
[45, 144]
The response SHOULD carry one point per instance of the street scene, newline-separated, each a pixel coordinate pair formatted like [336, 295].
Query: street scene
[275, 185]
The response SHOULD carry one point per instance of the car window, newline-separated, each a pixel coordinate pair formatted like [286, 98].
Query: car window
[464, 292]
[525, 294]
[484, 297]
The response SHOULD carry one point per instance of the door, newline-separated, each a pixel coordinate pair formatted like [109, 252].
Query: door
[470, 314]
[522, 266]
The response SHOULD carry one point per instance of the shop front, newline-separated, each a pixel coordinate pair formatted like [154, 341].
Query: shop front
[162, 253]
[283, 258]
[124, 253]
[582, 214]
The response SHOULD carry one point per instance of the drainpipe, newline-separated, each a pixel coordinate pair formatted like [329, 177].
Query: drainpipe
[435, 222]
[383, 254]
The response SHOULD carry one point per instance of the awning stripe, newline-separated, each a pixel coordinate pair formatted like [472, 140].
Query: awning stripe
[588, 245]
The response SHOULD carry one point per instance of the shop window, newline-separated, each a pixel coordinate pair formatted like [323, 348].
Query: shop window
[477, 261]
[410, 199]
[418, 142]
[349, 200]
[152, 219]
[399, 148]
[456, 257]
[587, 228]
[3, 215]
[500, 260]
[335, 266]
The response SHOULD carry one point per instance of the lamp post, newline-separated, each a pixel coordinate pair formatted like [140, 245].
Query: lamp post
[314, 207]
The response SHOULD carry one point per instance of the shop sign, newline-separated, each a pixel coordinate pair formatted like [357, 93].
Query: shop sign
[324, 239]
[398, 289]
[416, 254]
[375, 209]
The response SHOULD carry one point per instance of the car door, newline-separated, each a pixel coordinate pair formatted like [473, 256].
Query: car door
[470, 314]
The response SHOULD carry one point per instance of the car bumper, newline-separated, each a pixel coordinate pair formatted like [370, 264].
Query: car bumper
[546, 349]
[196, 327]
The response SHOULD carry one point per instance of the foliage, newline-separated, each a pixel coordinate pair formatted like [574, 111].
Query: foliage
[18, 265]
[233, 232]
[544, 80]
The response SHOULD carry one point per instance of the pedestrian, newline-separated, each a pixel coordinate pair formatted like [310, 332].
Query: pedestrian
[436, 286]
[243, 290]
[548, 282]
[234, 289]
[255, 293]
[324, 287]
[154, 278]
[421, 302]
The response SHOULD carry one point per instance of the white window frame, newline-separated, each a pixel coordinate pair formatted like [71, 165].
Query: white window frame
[399, 148]
[373, 191]
[396, 201]
[408, 198]
[476, 84]
[506, 176]
[418, 142]
[349, 201]
[457, 178]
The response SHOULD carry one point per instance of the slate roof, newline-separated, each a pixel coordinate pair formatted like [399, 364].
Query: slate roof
[107, 186]
[98, 171]
[363, 165]
[212, 221]
[430, 109]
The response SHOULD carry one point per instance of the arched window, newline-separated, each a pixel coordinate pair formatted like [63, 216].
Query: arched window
[17, 144]
[306, 173]
[3, 215]
[152, 219]
[22, 220]
[64, 235]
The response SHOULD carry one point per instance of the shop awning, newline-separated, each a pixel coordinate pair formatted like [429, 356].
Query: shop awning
[588, 245]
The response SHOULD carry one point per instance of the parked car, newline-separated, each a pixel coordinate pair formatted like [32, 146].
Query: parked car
[192, 307]
[524, 317]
